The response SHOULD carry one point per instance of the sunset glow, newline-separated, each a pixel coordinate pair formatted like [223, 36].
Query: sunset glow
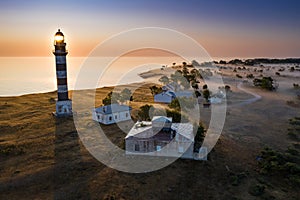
[225, 29]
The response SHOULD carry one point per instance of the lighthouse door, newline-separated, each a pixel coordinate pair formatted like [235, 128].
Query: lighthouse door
[65, 109]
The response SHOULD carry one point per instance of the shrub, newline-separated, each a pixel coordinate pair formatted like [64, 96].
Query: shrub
[206, 94]
[199, 137]
[155, 90]
[250, 76]
[256, 190]
[227, 88]
[177, 117]
[143, 113]
[8, 150]
[265, 83]
[197, 94]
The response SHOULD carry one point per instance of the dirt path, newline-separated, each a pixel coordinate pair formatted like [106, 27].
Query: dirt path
[247, 101]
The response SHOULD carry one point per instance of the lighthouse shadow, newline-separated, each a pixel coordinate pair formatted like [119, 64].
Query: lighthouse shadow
[70, 171]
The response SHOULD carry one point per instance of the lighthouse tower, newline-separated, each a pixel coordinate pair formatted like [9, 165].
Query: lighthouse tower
[63, 103]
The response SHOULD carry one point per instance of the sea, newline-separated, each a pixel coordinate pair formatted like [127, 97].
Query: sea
[27, 75]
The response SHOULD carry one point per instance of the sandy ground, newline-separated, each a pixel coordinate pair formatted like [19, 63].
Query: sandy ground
[43, 158]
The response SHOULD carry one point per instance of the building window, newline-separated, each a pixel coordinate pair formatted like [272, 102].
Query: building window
[158, 148]
[145, 145]
[110, 118]
[126, 115]
[136, 147]
[180, 149]
[116, 117]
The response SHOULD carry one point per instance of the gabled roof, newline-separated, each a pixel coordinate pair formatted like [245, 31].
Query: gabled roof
[145, 129]
[168, 87]
[167, 93]
[112, 108]
[161, 119]
[141, 127]
[184, 129]
[185, 93]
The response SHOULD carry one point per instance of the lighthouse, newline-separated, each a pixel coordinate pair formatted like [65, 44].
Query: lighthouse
[63, 103]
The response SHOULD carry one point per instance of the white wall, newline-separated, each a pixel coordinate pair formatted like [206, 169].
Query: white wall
[162, 98]
[120, 116]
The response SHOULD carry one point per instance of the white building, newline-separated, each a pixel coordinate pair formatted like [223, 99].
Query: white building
[218, 97]
[169, 95]
[112, 113]
[164, 97]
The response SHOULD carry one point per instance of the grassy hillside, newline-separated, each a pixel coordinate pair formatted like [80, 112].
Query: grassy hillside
[41, 157]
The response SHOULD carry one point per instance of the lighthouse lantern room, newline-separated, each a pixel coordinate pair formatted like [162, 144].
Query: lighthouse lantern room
[63, 103]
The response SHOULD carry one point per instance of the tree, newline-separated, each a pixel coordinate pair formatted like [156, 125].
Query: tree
[155, 90]
[177, 117]
[196, 74]
[106, 101]
[250, 76]
[183, 103]
[185, 71]
[239, 76]
[265, 83]
[222, 62]
[227, 88]
[177, 76]
[204, 87]
[164, 79]
[292, 69]
[175, 104]
[125, 95]
[236, 62]
[143, 113]
[206, 94]
[185, 84]
[195, 85]
[195, 63]
[115, 97]
[199, 137]
[112, 97]
[197, 93]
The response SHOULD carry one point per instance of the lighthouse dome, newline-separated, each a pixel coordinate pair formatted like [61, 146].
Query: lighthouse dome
[58, 33]
[59, 37]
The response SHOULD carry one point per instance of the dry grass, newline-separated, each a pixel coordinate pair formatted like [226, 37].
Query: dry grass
[42, 157]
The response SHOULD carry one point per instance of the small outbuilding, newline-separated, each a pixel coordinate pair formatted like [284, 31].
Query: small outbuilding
[112, 113]
[164, 97]
[168, 96]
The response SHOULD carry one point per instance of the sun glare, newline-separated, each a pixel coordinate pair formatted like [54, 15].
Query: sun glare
[59, 38]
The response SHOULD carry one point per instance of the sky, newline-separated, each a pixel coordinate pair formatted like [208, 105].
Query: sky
[231, 28]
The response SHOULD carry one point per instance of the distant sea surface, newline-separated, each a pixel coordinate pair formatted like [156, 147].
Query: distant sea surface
[26, 75]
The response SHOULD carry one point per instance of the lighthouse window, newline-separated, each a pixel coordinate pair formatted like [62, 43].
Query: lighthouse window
[110, 118]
